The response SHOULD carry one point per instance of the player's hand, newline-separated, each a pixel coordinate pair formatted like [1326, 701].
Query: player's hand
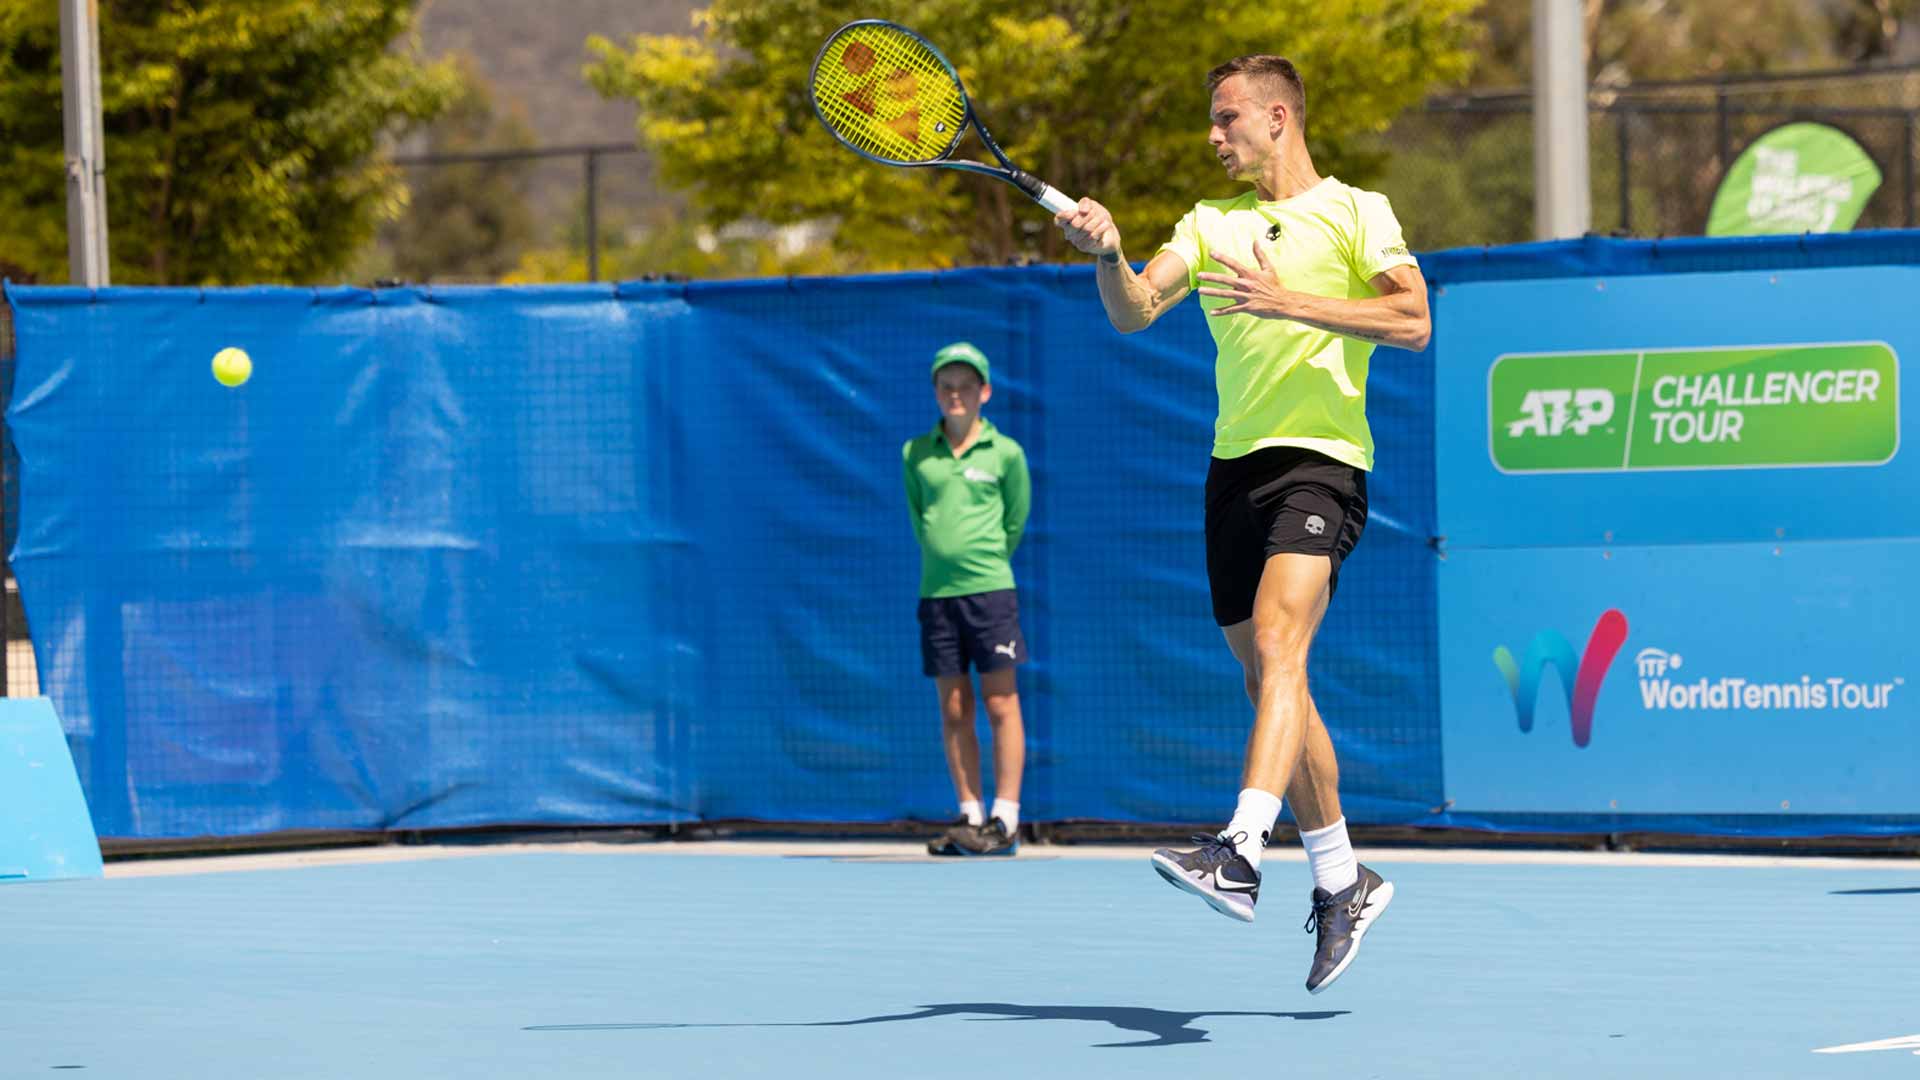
[1090, 228]
[1253, 290]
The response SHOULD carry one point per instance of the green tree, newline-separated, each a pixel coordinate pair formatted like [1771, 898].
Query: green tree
[466, 220]
[1630, 41]
[1100, 99]
[1865, 30]
[242, 136]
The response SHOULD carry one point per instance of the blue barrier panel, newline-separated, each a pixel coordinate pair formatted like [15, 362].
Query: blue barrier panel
[45, 833]
[1665, 327]
[1725, 679]
[639, 554]
[1680, 544]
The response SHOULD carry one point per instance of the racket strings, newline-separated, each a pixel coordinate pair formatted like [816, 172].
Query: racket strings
[888, 95]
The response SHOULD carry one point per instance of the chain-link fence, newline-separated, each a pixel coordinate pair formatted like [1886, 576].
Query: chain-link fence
[1460, 170]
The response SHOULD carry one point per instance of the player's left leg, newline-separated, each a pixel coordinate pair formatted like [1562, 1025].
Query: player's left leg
[1347, 896]
[1291, 750]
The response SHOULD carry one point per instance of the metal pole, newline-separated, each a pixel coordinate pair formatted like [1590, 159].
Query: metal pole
[86, 146]
[593, 216]
[1906, 168]
[1562, 196]
[1621, 116]
[1721, 138]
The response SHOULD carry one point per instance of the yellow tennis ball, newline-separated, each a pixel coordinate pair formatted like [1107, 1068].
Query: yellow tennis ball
[232, 366]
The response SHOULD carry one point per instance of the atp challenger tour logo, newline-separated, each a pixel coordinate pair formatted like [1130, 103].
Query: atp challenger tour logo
[1553, 412]
[1723, 408]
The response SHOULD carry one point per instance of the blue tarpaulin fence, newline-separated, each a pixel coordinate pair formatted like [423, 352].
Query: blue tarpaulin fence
[638, 554]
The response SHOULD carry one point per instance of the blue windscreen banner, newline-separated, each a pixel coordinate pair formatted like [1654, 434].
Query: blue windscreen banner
[1641, 550]
[640, 555]
[1681, 557]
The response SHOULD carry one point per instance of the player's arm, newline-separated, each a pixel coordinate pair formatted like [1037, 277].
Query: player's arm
[1133, 300]
[1397, 317]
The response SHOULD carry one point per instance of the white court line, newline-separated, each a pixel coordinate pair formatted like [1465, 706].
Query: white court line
[896, 849]
[1899, 1042]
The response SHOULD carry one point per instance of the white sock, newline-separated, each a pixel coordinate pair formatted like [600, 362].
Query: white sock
[1253, 819]
[1330, 854]
[970, 809]
[1007, 811]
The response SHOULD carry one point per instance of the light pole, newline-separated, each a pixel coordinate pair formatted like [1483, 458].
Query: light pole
[1562, 199]
[86, 147]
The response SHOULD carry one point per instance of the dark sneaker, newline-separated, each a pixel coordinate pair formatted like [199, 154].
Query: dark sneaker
[950, 842]
[1215, 873]
[1342, 919]
[993, 838]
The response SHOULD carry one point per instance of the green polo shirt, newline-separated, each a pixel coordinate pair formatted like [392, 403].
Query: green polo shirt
[968, 511]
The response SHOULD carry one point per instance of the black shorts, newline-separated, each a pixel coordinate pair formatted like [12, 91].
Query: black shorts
[982, 629]
[1278, 499]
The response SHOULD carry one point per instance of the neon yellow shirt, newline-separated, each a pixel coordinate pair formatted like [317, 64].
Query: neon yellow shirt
[1283, 383]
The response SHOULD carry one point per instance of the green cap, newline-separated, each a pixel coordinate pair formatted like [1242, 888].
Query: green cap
[962, 352]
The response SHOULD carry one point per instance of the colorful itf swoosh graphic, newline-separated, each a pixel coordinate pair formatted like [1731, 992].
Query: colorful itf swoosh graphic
[1548, 647]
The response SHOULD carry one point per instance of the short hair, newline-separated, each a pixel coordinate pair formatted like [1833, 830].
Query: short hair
[1275, 76]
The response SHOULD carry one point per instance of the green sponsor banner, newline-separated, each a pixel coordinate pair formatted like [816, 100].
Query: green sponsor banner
[1748, 407]
[1799, 177]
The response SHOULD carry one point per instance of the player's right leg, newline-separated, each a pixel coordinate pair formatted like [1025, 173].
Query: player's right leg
[1222, 870]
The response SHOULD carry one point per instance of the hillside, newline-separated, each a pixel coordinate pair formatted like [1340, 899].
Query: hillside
[532, 55]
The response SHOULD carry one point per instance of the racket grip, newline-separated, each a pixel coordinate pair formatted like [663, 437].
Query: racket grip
[1052, 198]
[1042, 192]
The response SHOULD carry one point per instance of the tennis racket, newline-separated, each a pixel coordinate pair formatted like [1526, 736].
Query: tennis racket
[888, 95]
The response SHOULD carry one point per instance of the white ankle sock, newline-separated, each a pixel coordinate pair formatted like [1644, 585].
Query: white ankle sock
[970, 809]
[1008, 811]
[1330, 854]
[1253, 818]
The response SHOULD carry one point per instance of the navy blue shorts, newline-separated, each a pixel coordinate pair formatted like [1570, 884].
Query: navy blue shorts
[1274, 500]
[982, 630]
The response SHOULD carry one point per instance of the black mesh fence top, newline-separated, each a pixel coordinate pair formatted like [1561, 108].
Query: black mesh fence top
[1460, 170]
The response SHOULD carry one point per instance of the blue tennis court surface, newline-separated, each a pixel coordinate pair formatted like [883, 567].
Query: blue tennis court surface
[617, 962]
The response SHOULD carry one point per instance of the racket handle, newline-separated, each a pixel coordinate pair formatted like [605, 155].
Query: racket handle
[1051, 198]
[1042, 192]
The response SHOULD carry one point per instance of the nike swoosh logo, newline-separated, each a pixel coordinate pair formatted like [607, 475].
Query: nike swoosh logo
[1229, 885]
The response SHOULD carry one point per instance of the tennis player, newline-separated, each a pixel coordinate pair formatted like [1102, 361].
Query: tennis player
[1300, 277]
[968, 494]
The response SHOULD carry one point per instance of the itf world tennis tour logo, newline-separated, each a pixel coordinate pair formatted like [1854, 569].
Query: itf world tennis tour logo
[1580, 678]
[1669, 683]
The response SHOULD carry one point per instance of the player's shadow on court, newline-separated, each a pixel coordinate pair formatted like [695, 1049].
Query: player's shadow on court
[1874, 892]
[1166, 1028]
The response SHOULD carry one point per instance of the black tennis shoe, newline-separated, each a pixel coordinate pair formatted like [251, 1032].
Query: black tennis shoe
[949, 842]
[1214, 872]
[993, 838]
[1342, 919]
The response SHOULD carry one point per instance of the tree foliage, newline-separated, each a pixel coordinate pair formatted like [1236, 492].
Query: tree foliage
[242, 136]
[465, 220]
[1631, 41]
[1101, 99]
